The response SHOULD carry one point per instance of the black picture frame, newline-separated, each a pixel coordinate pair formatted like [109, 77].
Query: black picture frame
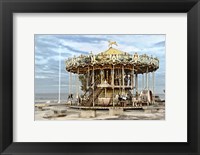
[8, 7]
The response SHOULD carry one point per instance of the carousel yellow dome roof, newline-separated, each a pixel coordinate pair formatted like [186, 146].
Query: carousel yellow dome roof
[112, 51]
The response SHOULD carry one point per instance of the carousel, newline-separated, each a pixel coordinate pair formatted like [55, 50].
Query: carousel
[110, 79]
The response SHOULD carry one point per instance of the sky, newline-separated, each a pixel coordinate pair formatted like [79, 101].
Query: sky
[48, 48]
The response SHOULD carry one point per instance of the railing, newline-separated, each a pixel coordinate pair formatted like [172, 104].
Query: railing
[89, 101]
[96, 82]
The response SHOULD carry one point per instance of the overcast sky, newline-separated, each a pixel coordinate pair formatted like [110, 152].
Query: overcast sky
[47, 48]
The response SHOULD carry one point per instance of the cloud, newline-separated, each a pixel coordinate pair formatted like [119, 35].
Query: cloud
[160, 44]
[41, 77]
[41, 61]
[93, 39]
[74, 50]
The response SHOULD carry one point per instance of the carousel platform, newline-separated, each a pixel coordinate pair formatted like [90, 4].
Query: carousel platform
[106, 107]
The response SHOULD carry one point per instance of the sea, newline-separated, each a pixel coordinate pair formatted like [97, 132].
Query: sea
[54, 97]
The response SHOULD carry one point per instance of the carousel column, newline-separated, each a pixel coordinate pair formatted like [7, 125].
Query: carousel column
[72, 88]
[147, 84]
[107, 76]
[101, 73]
[104, 74]
[77, 89]
[120, 80]
[132, 83]
[69, 83]
[132, 79]
[72, 85]
[123, 77]
[93, 84]
[70, 77]
[136, 84]
[142, 81]
[113, 75]
[153, 83]
[88, 75]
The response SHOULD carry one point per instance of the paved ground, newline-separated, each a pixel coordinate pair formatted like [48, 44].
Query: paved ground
[74, 114]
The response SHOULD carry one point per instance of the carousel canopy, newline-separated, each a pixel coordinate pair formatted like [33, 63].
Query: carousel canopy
[109, 58]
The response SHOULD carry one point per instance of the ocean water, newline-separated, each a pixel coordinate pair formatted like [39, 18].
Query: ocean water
[162, 96]
[53, 97]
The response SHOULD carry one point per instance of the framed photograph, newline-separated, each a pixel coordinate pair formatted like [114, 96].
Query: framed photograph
[109, 85]
[99, 77]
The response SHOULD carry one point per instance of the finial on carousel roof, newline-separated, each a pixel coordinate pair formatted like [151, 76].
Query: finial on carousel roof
[92, 57]
[135, 57]
[135, 54]
[157, 58]
[91, 54]
[112, 43]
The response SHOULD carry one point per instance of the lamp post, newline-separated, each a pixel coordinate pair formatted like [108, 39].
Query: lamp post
[59, 75]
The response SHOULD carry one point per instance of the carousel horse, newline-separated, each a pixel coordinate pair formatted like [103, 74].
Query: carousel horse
[112, 43]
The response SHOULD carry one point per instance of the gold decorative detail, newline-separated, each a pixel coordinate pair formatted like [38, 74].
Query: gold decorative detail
[112, 43]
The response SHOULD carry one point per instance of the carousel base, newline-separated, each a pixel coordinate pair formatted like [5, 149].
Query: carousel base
[105, 108]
